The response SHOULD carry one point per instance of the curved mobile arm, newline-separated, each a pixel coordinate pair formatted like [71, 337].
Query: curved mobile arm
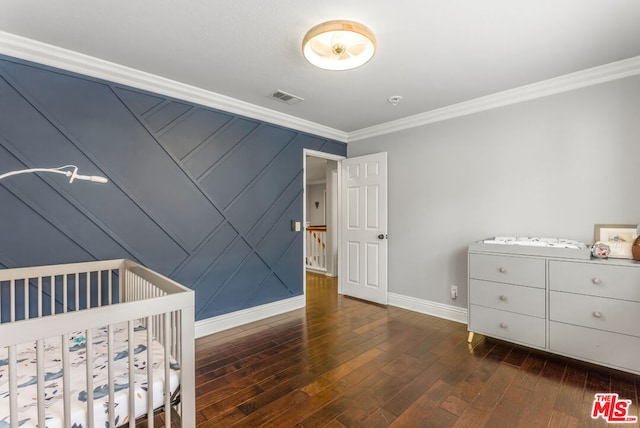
[70, 171]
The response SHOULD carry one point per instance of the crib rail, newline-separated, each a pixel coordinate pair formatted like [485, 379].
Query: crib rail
[114, 292]
[35, 292]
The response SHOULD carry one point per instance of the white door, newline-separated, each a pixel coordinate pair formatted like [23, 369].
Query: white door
[363, 249]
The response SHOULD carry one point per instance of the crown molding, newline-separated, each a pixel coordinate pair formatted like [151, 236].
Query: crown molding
[589, 77]
[54, 56]
[42, 53]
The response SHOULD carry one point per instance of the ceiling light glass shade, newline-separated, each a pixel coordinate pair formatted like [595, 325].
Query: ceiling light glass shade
[339, 45]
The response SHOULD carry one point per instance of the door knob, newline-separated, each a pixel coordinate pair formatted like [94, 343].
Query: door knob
[381, 236]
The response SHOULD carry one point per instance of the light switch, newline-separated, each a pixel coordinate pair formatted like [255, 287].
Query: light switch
[296, 226]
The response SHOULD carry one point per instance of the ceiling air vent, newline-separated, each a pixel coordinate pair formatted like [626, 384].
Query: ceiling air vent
[285, 97]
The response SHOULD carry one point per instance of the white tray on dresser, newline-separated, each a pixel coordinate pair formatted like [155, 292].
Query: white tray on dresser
[556, 247]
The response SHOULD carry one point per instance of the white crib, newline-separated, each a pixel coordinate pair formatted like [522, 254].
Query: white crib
[95, 344]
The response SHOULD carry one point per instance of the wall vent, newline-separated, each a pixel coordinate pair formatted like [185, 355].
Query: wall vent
[285, 97]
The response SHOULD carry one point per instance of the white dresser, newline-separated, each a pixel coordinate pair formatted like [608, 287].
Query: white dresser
[557, 301]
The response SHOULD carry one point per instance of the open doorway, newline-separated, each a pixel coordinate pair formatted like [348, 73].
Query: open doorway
[356, 212]
[321, 218]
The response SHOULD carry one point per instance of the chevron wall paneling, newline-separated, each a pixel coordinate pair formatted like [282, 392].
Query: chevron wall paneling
[203, 196]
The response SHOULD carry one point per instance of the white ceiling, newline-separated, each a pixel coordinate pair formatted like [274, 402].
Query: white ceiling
[432, 53]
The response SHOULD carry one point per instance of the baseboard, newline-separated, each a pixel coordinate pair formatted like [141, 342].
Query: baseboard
[234, 319]
[440, 310]
[316, 270]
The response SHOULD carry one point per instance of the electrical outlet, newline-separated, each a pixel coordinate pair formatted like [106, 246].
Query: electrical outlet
[454, 291]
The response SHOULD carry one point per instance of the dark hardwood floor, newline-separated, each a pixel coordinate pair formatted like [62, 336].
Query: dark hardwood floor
[342, 362]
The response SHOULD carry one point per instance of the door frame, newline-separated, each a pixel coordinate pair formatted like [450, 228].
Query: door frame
[328, 156]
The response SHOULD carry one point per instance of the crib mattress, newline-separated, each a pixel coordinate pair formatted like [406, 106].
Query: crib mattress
[27, 388]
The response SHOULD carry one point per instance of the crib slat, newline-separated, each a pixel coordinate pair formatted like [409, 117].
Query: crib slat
[158, 327]
[110, 375]
[13, 386]
[167, 370]
[173, 333]
[40, 381]
[26, 298]
[187, 368]
[121, 280]
[89, 359]
[77, 293]
[88, 296]
[39, 297]
[179, 328]
[65, 292]
[99, 288]
[66, 381]
[12, 299]
[150, 372]
[131, 288]
[124, 286]
[52, 300]
[110, 285]
[132, 380]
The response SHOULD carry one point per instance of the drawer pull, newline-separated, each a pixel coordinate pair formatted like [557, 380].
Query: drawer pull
[503, 297]
[503, 270]
[597, 281]
[597, 314]
[503, 325]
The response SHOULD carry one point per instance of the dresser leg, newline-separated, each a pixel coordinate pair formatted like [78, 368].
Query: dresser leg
[470, 337]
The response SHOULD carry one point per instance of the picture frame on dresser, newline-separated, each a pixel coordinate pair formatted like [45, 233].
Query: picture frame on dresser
[619, 238]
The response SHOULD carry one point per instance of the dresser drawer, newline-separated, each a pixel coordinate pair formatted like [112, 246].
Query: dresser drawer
[508, 297]
[518, 328]
[512, 270]
[595, 279]
[611, 349]
[618, 316]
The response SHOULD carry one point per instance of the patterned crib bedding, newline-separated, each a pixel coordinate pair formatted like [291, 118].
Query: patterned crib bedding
[27, 388]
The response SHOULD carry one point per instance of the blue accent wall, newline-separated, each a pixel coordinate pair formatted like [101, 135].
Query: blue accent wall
[200, 195]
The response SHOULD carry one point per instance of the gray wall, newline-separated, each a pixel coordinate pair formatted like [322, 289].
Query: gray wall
[549, 167]
[315, 193]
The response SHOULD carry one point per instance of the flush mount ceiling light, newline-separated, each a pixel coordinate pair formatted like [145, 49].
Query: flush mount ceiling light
[338, 45]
